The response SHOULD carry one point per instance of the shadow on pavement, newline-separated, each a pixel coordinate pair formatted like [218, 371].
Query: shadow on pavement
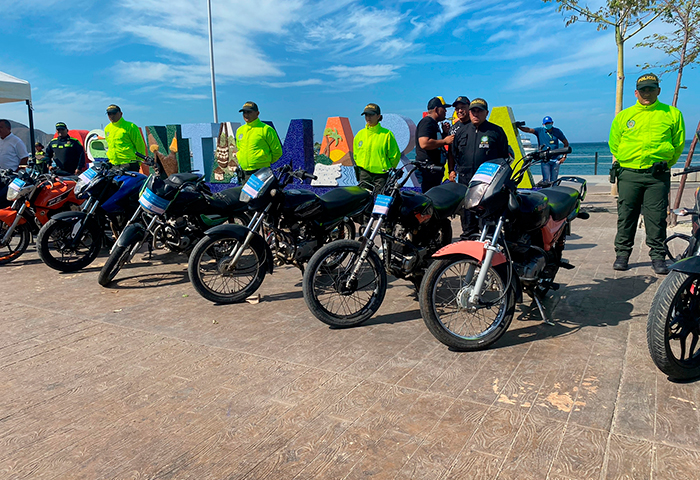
[150, 280]
[604, 302]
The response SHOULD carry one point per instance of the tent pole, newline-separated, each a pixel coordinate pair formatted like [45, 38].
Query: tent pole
[32, 140]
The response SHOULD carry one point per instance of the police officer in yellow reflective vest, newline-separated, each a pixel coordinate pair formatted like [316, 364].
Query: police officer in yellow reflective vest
[258, 144]
[646, 139]
[375, 150]
[123, 140]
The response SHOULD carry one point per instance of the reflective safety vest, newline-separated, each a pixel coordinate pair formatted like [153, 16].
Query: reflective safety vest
[258, 145]
[123, 139]
[375, 149]
[642, 135]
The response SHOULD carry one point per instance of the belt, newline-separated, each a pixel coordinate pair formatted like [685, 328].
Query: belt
[638, 170]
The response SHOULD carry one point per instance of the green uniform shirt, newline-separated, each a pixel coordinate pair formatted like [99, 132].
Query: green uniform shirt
[375, 149]
[642, 135]
[258, 145]
[123, 140]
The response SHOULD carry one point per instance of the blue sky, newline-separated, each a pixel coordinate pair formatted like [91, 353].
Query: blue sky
[315, 59]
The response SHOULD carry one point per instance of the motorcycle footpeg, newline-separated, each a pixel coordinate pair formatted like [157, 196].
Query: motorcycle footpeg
[551, 285]
[566, 265]
[583, 215]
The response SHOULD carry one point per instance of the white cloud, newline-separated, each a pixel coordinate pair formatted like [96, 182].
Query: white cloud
[298, 83]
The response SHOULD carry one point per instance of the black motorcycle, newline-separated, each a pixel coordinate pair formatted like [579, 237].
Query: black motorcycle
[230, 263]
[673, 324]
[345, 281]
[173, 213]
[71, 241]
[468, 295]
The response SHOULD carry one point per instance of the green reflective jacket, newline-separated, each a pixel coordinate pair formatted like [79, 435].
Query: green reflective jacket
[375, 149]
[642, 135]
[258, 145]
[123, 139]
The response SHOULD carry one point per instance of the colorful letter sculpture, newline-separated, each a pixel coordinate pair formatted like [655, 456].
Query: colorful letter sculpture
[504, 118]
[298, 147]
[334, 159]
[404, 131]
[226, 160]
[201, 137]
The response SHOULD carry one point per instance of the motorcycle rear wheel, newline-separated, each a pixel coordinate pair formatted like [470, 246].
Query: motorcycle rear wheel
[673, 326]
[209, 277]
[445, 310]
[18, 242]
[325, 290]
[117, 259]
[53, 236]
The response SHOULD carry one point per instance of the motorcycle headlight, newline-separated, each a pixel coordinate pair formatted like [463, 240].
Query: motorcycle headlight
[12, 194]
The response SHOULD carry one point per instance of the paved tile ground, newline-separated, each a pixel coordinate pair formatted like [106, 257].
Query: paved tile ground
[148, 380]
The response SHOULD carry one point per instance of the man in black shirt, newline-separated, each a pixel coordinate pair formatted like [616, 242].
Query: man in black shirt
[66, 152]
[428, 147]
[476, 143]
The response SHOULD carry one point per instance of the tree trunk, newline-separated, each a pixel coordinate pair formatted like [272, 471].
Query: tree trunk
[680, 68]
[619, 89]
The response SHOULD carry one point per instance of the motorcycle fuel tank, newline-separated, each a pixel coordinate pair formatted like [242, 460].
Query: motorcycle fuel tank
[415, 209]
[533, 212]
[301, 204]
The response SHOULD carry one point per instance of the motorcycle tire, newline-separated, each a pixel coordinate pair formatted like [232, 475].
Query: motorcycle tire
[208, 279]
[50, 239]
[673, 326]
[239, 219]
[324, 284]
[114, 263]
[440, 298]
[18, 242]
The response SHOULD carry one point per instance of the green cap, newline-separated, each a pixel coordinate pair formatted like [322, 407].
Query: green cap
[60, 125]
[648, 80]
[372, 108]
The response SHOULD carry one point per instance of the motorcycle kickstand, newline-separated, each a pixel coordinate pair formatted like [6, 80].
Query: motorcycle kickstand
[540, 307]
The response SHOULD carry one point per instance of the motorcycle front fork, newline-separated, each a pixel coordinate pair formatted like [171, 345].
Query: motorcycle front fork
[253, 226]
[491, 247]
[11, 230]
[373, 226]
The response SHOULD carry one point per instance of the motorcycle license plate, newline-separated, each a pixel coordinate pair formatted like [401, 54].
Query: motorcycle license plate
[87, 175]
[17, 184]
[485, 173]
[382, 204]
[253, 186]
[153, 203]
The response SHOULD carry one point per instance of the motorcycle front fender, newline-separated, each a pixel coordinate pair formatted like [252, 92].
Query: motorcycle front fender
[240, 232]
[470, 248]
[132, 233]
[687, 265]
[8, 215]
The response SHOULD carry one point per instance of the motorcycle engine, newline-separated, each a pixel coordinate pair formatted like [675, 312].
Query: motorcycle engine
[531, 265]
[175, 234]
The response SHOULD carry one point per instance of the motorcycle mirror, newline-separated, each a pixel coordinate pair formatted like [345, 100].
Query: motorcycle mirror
[682, 212]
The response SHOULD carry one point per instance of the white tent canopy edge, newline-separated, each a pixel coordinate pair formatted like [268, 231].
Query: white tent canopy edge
[13, 89]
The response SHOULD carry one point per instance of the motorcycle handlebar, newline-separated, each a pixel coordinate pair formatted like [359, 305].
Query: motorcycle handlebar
[687, 170]
[547, 154]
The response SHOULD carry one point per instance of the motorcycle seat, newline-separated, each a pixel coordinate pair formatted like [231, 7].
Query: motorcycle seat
[447, 198]
[562, 201]
[345, 199]
[178, 179]
[228, 199]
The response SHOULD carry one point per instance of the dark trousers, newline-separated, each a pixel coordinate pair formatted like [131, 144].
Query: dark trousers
[646, 193]
[375, 180]
[470, 222]
[429, 179]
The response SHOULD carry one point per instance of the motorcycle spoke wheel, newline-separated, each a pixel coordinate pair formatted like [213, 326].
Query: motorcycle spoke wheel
[117, 259]
[53, 244]
[17, 244]
[326, 289]
[673, 326]
[214, 281]
[447, 312]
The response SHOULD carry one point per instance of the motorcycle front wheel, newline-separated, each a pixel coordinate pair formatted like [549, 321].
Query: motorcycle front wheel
[209, 273]
[17, 243]
[326, 289]
[673, 326]
[444, 304]
[55, 237]
[117, 259]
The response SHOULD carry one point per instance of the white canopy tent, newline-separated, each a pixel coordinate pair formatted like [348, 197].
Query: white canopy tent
[13, 89]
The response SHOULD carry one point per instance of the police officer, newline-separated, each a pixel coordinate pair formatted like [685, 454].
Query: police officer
[40, 158]
[258, 144]
[123, 140]
[66, 152]
[429, 148]
[646, 139]
[476, 142]
[375, 149]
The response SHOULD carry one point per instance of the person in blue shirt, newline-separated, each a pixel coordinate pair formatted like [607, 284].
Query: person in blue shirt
[548, 137]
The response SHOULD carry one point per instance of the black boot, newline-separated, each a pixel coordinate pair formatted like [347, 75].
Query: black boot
[621, 263]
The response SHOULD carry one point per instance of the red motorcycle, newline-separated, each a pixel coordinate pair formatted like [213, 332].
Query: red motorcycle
[35, 199]
[468, 294]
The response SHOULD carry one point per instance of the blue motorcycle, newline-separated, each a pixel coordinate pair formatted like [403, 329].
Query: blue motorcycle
[71, 241]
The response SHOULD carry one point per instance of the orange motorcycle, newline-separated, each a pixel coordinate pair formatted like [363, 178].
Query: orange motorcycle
[35, 199]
